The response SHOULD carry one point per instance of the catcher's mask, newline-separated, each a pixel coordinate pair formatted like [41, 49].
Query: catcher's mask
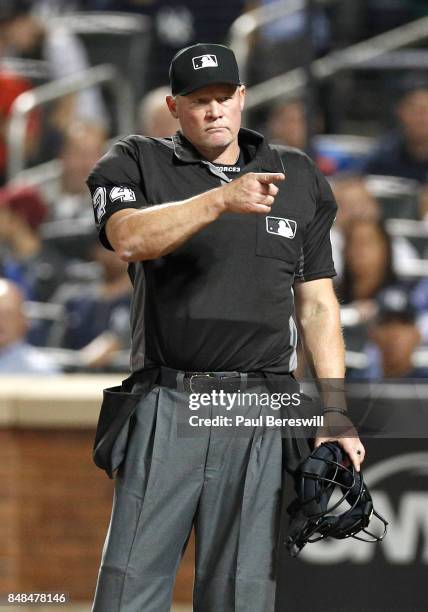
[311, 518]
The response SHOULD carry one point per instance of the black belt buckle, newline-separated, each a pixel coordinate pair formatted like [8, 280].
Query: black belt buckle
[198, 376]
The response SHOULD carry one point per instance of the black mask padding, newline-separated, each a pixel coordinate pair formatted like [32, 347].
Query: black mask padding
[314, 491]
[311, 516]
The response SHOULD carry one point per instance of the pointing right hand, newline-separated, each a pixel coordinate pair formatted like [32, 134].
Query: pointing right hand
[252, 193]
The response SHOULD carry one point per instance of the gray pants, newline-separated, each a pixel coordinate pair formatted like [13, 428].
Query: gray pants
[227, 486]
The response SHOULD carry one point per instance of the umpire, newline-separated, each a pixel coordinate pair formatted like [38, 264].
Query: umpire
[222, 232]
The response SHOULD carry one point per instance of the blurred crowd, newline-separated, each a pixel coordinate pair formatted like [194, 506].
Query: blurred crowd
[65, 300]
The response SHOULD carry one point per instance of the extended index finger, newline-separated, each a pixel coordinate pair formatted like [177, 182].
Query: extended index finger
[269, 177]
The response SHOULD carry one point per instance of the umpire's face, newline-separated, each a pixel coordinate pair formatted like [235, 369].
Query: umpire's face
[210, 117]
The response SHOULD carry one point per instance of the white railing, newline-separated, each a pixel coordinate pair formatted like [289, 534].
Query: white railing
[359, 361]
[29, 100]
[407, 227]
[48, 311]
[413, 268]
[248, 23]
[28, 68]
[293, 82]
[72, 359]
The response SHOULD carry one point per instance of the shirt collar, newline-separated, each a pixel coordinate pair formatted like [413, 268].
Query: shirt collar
[250, 141]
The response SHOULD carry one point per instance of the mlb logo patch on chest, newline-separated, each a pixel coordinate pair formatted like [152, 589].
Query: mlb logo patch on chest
[281, 227]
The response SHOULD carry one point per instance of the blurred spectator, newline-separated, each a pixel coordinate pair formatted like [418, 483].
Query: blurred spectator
[368, 261]
[404, 151]
[287, 124]
[381, 16]
[154, 118]
[423, 202]
[84, 144]
[419, 300]
[283, 44]
[97, 317]
[394, 337]
[355, 204]
[24, 35]
[176, 24]
[11, 86]
[368, 272]
[341, 155]
[34, 266]
[16, 355]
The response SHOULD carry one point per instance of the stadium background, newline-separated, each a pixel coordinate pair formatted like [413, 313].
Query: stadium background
[345, 80]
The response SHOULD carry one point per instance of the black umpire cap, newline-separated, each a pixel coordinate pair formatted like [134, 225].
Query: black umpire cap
[201, 65]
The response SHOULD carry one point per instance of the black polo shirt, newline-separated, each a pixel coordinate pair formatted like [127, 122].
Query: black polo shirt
[224, 299]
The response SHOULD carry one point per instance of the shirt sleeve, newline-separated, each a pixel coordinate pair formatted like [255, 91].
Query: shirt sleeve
[316, 260]
[116, 183]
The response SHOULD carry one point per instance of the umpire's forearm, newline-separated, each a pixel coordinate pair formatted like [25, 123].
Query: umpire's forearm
[323, 340]
[324, 347]
[138, 235]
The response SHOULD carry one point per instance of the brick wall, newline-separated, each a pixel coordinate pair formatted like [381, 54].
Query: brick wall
[54, 512]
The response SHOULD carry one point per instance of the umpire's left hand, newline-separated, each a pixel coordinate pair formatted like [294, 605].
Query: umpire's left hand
[339, 428]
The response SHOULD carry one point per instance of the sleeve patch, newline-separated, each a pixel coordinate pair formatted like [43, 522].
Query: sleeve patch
[124, 194]
[99, 202]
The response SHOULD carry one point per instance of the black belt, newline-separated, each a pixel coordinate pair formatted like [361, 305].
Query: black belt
[204, 382]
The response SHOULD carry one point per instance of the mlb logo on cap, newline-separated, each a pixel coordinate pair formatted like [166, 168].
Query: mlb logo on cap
[205, 61]
[281, 227]
[186, 74]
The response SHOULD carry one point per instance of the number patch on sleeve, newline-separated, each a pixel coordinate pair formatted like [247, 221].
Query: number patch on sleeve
[99, 202]
[124, 194]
